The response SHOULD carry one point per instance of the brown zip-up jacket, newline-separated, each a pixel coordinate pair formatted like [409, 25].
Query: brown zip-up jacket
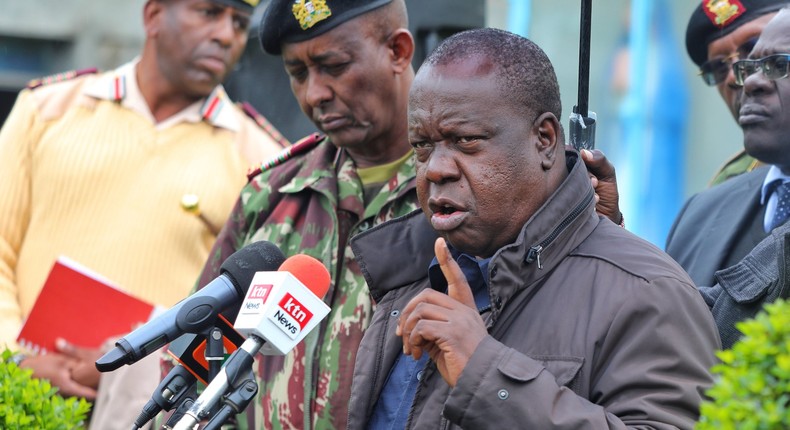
[590, 327]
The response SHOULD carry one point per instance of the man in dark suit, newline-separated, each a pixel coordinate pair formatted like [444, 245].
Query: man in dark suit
[721, 225]
[733, 239]
[721, 233]
[717, 229]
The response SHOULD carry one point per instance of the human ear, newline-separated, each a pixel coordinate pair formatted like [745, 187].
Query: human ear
[151, 12]
[401, 46]
[547, 129]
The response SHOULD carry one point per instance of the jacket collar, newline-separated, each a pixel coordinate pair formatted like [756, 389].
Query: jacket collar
[554, 231]
[559, 226]
[405, 258]
[549, 234]
[120, 86]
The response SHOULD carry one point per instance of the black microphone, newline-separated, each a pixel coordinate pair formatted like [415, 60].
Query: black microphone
[198, 311]
[279, 310]
[190, 351]
[176, 387]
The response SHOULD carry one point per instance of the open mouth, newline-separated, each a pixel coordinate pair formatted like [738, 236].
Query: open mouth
[447, 217]
[446, 210]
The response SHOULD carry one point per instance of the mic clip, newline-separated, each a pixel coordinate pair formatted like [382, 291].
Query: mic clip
[178, 386]
[234, 403]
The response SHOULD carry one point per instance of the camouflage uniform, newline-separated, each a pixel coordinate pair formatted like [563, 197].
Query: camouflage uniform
[739, 163]
[313, 204]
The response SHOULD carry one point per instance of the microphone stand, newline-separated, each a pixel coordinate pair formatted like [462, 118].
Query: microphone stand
[215, 352]
[179, 387]
[179, 413]
[235, 373]
[235, 402]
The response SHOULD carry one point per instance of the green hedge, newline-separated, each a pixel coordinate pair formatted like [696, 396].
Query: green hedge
[753, 386]
[30, 403]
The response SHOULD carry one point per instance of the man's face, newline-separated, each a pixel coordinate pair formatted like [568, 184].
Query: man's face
[765, 104]
[479, 175]
[730, 48]
[345, 83]
[198, 43]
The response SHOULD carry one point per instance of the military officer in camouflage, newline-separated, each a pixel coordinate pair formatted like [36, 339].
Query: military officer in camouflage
[349, 63]
[718, 34]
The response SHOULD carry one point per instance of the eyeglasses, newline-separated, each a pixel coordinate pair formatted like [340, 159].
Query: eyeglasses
[715, 71]
[773, 67]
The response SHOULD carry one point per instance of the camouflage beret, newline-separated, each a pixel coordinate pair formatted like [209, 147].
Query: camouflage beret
[245, 5]
[286, 21]
[714, 19]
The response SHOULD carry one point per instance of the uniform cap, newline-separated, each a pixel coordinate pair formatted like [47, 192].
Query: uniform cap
[245, 5]
[288, 21]
[714, 19]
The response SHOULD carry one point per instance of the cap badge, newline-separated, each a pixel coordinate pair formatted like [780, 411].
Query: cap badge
[310, 12]
[252, 3]
[723, 12]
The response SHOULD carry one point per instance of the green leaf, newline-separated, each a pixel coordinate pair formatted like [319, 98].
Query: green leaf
[753, 378]
[27, 402]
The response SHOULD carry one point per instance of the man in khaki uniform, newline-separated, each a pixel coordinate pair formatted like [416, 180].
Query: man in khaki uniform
[94, 167]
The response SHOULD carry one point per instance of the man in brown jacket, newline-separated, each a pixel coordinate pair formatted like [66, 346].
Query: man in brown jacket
[553, 317]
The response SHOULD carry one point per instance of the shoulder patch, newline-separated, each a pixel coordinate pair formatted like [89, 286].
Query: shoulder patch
[300, 147]
[264, 124]
[60, 77]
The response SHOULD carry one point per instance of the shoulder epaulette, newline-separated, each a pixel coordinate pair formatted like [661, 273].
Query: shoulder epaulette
[740, 157]
[60, 77]
[300, 147]
[264, 124]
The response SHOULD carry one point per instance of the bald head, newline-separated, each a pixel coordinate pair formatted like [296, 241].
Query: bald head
[382, 22]
[522, 68]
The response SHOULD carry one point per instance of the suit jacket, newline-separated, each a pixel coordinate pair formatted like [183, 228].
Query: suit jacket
[716, 227]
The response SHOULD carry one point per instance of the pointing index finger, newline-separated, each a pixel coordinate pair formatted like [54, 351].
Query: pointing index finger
[457, 285]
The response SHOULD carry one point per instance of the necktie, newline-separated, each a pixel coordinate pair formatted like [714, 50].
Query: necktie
[782, 205]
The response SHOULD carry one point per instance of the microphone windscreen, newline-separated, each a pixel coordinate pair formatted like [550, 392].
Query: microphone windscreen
[309, 271]
[242, 265]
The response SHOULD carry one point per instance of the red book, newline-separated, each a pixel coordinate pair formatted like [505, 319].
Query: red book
[82, 307]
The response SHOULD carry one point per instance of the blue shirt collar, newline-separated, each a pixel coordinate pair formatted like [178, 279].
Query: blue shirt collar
[774, 174]
[476, 272]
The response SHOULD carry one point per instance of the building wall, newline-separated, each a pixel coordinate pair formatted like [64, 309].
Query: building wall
[69, 33]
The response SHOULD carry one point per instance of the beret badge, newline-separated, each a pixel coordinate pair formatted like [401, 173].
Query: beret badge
[310, 12]
[722, 12]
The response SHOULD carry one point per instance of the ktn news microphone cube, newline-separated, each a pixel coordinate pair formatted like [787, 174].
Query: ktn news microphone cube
[279, 309]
